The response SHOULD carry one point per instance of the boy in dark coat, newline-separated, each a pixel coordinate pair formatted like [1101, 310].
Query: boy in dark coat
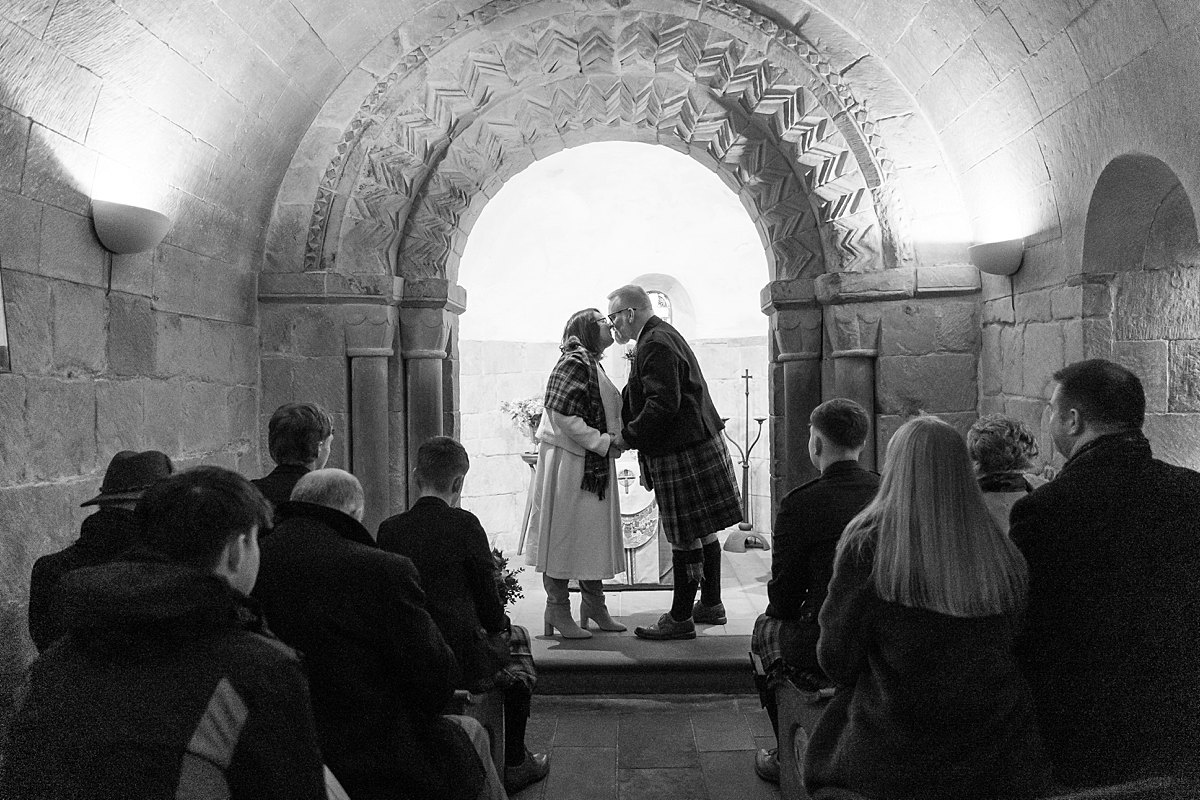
[299, 438]
[458, 573]
[380, 670]
[1111, 644]
[166, 683]
[810, 523]
[104, 536]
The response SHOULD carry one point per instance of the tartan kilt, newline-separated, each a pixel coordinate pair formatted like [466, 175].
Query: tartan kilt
[695, 490]
[520, 668]
[784, 645]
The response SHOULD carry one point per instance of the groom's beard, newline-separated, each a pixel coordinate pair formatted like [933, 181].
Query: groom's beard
[619, 337]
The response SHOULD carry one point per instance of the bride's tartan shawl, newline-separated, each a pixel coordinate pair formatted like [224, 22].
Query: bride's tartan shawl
[573, 390]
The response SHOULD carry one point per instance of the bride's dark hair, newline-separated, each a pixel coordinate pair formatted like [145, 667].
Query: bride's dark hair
[583, 326]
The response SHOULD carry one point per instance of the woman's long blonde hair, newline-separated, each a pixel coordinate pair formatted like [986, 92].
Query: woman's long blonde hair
[936, 546]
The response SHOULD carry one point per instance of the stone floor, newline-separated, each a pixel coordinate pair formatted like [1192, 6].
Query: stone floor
[693, 747]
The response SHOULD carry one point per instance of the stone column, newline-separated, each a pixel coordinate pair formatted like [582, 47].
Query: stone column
[427, 315]
[796, 355]
[369, 337]
[852, 333]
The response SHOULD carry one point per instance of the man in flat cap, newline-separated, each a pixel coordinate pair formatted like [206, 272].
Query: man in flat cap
[108, 533]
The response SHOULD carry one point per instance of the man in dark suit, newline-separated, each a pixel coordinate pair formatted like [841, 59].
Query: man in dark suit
[669, 418]
[1111, 644]
[807, 529]
[379, 669]
[299, 438]
[449, 548]
[104, 536]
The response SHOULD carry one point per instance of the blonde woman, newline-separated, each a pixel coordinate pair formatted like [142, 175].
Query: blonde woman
[917, 632]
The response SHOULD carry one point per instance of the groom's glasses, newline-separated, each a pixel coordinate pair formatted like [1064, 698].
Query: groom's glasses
[612, 321]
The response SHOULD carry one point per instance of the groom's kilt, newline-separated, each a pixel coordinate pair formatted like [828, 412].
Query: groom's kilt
[695, 489]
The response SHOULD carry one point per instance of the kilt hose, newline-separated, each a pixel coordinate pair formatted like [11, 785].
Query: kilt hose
[696, 491]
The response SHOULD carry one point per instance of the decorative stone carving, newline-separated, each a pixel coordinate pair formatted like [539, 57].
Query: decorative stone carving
[370, 331]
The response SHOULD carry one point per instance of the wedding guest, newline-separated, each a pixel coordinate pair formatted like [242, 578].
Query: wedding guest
[299, 438]
[669, 418]
[573, 524]
[380, 671]
[449, 548]
[917, 632]
[805, 536]
[1111, 641]
[104, 536]
[167, 682]
[1003, 450]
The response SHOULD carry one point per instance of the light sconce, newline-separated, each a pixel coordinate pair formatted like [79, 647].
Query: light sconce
[128, 229]
[997, 258]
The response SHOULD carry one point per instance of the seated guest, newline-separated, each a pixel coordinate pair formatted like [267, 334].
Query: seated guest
[810, 522]
[380, 671]
[917, 633]
[1003, 450]
[108, 533]
[458, 573]
[1111, 644]
[299, 437]
[166, 683]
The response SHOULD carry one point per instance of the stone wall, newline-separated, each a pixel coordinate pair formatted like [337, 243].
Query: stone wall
[493, 372]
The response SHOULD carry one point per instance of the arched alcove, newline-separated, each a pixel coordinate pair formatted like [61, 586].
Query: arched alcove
[558, 237]
[1141, 265]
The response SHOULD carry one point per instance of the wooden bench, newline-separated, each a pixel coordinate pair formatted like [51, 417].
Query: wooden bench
[488, 710]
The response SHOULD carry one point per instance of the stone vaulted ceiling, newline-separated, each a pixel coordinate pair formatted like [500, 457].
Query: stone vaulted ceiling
[516, 80]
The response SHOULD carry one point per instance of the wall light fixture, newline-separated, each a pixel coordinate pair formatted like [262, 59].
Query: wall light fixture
[128, 229]
[997, 258]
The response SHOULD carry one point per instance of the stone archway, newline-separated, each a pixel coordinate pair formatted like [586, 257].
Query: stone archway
[753, 99]
[1141, 277]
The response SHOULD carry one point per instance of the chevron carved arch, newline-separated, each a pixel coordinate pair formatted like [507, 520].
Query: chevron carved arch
[460, 115]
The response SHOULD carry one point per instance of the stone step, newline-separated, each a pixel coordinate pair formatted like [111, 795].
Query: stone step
[622, 664]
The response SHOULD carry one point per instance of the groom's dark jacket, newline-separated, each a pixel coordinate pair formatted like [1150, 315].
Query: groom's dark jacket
[665, 404]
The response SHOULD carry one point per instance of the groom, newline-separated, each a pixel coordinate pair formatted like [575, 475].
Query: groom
[669, 418]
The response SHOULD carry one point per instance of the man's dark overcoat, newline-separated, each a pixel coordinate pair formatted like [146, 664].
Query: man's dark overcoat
[665, 405]
[1111, 645]
[450, 550]
[108, 533]
[380, 671]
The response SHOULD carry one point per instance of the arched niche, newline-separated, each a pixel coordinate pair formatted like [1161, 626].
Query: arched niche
[1141, 265]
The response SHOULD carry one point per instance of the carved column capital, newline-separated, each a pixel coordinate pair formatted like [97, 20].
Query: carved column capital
[797, 334]
[852, 331]
[427, 315]
[370, 331]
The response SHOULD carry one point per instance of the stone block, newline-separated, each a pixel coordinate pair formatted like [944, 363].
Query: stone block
[205, 418]
[61, 418]
[243, 415]
[957, 327]
[58, 171]
[1175, 438]
[1012, 355]
[27, 309]
[15, 450]
[1158, 304]
[1043, 357]
[1097, 338]
[1066, 302]
[991, 404]
[70, 249]
[998, 310]
[120, 417]
[14, 141]
[1114, 32]
[1184, 376]
[163, 416]
[991, 361]
[80, 323]
[1057, 76]
[193, 284]
[1034, 306]
[1097, 300]
[1001, 44]
[947, 279]
[322, 380]
[860, 287]
[21, 221]
[1147, 360]
[131, 336]
[43, 82]
[302, 331]
[1073, 338]
[932, 383]
[908, 329]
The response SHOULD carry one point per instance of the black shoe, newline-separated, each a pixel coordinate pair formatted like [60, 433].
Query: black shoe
[535, 767]
[667, 628]
[766, 764]
[709, 615]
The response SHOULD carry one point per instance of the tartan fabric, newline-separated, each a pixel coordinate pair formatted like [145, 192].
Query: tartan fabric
[573, 390]
[695, 490]
[520, 668]
[787, 648]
